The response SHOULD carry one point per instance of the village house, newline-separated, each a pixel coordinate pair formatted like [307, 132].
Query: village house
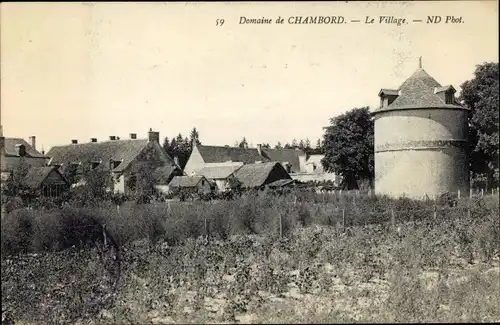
[124, 158]
[222, 175]
[257, 176]
[293, 160]
[315, 172]
[13, 151]
[190, 185]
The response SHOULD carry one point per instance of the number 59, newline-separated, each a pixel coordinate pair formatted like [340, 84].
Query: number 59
[219, 22]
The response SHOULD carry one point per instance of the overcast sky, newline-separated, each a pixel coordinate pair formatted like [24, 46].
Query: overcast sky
[76, 71]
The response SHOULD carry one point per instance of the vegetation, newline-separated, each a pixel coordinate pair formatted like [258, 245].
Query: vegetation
[226, 261]
[348, 143]
[480, 95]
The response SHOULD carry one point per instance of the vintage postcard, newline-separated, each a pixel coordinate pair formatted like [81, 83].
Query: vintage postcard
[249, 162]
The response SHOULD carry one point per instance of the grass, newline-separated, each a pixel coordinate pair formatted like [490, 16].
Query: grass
[423, 270]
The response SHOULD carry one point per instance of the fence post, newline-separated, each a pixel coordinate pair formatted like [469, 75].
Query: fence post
[104, 235]
[343, 220]
[482, 192]
[470, 192]
[393, 219]
[281, 225]
[459, 193]
[205, 224]
[435, 213]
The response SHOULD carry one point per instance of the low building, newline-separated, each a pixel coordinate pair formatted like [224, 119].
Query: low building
[125, 159]
[190, 184]
[259, 175]
[47, 181]
[221, 175]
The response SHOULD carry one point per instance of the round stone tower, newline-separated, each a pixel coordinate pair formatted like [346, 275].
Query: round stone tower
[420, 140]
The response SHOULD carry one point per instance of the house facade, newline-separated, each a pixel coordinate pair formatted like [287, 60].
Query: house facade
[315, 172]
[47, 181]
[125, 159]
[190, 185]
[14, 151]
[221, 174]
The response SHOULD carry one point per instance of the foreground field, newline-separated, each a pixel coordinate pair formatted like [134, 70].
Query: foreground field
[423, 271]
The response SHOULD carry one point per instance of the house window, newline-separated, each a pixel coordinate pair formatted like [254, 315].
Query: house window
[114, 163]
[203, 182]
[449, 97]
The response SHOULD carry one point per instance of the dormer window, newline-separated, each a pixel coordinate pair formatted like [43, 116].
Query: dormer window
[21, 150]
[94, 164]
[387, 96]
[114, 164]
[446, 94]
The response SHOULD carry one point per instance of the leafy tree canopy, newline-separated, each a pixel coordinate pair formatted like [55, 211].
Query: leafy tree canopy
[348, 145]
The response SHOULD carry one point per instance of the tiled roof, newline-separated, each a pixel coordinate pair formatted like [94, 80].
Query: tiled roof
[255, 175]
[185, 181]
[389, 91]
[117, 150]
[418, 92]
[218, 172]
[218, 154]
[162, 175]
[286, 155]
[36, 175]
[10, 148]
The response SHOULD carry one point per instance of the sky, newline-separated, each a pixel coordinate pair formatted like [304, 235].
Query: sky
[79, 71]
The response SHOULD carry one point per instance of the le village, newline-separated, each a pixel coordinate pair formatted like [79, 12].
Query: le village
[386, 20]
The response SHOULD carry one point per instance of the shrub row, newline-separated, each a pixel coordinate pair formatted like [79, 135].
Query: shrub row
[259, 213]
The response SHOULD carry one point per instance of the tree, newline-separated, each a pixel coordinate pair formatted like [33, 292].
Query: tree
[480, 95]
[348, 144]
[318, 144]
[15, 186]
[301, 145]
[166, 144]
[278, 146]
[266, 146]
[194, 135]
[307, 144]
[294, 143]
[243, 143]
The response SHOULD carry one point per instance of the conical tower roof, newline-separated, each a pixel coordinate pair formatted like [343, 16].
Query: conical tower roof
[420, 90]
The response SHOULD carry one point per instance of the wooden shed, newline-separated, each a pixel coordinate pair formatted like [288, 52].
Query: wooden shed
[48, 180]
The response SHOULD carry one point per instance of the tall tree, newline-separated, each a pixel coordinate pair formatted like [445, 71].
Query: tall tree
[480, 95]
[166, 144]
[243, 143]
[307, 144]
[301, 145]
[294, 143]
[194, 135]
[278, 146]
[348, 144]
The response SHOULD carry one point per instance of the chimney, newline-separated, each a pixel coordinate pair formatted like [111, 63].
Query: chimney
[93, 139]
[176, 160]
[33, 141]
[133, 136]
[153, 136]
[259, 149]
[112, 137]
[74, 141]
